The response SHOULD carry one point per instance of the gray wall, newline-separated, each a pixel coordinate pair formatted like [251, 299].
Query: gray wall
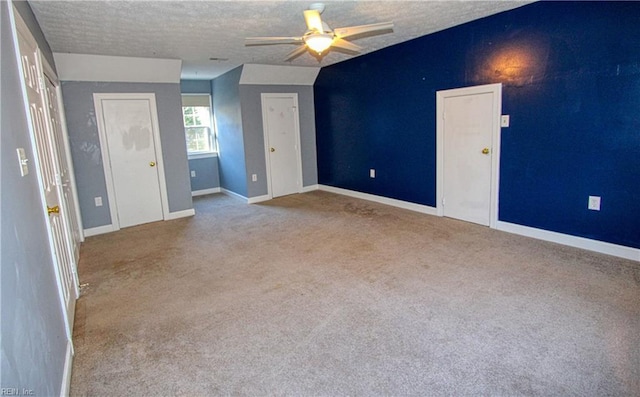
[195, 86]
[33, 339]
[254, 134]
[207, 176]
[228, 116]
[85, 144]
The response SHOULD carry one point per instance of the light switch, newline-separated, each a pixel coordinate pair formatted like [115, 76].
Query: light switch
[22, 161]
[504, 120]
[594, 203]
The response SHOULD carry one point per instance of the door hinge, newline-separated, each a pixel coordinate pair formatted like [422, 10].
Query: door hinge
[41, 81]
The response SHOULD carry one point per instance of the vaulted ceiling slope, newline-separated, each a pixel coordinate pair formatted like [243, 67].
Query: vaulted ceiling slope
[209, 35]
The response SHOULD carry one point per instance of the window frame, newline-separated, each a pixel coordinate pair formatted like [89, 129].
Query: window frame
[212, 134]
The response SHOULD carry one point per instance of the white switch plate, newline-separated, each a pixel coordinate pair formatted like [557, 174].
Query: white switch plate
[504, 120]
[98, 201]
[254, 177]
[193, 174]
[22, 161]
[594, 203]
[372, 173]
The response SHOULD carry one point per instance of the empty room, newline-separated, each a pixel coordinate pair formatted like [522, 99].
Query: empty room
[303, 198]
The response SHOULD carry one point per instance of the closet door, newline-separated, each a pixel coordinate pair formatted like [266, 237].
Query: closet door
[130, 144]
[45, 148]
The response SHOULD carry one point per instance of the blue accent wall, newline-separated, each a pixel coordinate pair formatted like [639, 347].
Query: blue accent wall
[571, 84]
[228, 118]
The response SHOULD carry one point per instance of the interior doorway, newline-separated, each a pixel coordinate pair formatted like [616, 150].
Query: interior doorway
[281, 125]
[468, 153]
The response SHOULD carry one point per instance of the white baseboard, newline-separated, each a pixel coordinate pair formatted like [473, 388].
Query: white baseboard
[425, 209]
[233, 194]
[205, 191]
[572, 241]
[94, 231]
[66, 373]
[180, 214]
[310, 188]
[258, 199]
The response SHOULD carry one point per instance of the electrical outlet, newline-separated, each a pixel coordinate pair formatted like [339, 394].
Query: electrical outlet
[372, 173]
[254, 177]
[193, 174]
[98, 201]
[594, 203]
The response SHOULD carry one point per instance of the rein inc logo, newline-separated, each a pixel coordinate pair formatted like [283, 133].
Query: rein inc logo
[15, 391]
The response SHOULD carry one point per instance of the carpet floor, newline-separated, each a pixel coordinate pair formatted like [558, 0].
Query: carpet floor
[319, 294]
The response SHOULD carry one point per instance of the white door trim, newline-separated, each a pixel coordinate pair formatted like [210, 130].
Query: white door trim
[106, 159]
[496, 90]
[265, 133]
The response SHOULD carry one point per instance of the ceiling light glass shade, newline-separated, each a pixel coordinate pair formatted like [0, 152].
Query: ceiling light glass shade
[319, 42]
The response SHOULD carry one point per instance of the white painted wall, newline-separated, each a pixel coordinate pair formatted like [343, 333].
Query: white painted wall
[278, 75]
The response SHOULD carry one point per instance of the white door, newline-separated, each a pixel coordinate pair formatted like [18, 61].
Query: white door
[47, 163]
[132, 157]
[469, 119]
[66, 184]
[282, 143]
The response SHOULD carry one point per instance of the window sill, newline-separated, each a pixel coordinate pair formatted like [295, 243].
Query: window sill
[195, 156]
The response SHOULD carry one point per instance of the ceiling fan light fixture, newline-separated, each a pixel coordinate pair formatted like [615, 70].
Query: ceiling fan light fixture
[319, 42]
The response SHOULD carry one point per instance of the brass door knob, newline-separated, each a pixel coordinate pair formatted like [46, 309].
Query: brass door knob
[485, 150]
[152, 164]
[273, 150]
[53, 210]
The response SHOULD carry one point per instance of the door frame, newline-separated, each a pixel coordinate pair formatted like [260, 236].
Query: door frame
[496, 90]
[106, 157]
[265, 132]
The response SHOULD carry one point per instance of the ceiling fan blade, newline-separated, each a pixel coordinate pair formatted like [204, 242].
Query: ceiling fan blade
[313, 20]
[345, 45]
[272, 40]
[372, 29]
[296, 53]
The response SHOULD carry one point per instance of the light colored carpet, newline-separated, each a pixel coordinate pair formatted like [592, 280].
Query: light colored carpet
[320, 294]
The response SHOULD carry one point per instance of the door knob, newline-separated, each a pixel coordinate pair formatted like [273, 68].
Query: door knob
[485, 150]
[273, 150]
[152, 163]
[53, 210]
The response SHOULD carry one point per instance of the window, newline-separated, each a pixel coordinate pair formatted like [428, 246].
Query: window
[196, 116]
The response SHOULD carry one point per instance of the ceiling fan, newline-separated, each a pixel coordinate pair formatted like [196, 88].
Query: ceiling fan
[319, 37]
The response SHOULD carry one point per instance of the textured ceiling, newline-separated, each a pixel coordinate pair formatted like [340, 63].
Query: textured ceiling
[196, 31]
